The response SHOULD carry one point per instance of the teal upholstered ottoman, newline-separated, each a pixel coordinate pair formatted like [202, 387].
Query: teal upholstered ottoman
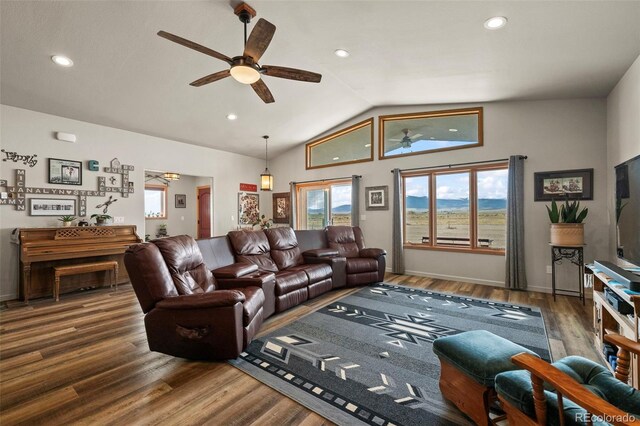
[514, 387]
[469, 363]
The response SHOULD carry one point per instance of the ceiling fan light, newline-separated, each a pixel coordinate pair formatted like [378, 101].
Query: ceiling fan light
[245, 74]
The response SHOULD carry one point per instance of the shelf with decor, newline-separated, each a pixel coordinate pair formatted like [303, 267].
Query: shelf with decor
[607, 319]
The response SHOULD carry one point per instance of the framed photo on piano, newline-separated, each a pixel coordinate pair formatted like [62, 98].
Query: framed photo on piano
[52, 207]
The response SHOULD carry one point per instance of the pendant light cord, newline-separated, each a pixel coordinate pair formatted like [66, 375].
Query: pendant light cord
[266, 153]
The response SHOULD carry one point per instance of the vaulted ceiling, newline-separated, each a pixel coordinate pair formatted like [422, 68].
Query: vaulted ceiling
[415, 52]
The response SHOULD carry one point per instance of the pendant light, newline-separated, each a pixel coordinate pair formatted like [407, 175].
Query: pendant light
[266, 179]
[171, 176]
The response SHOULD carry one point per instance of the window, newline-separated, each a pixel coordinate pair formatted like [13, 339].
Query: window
[155, 201]
[456, 209]
[351, 145]
[420, 133]
[326, 203]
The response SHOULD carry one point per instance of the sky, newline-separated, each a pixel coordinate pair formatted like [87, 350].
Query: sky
[491, 184]
[340, 195]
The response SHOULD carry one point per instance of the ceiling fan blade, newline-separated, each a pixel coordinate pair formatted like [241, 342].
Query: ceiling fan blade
[263, 91]
[211, 78]
[395, 140]
[291, 74]
[259, 39]
[195, 46]
[416, 136]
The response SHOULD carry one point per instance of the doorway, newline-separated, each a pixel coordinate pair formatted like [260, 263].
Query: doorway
[173, 205]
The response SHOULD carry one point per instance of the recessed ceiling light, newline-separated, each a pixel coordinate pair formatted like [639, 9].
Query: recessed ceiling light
[495, 23]
[431, 137]
[231, 116]
[341, 53]
[367, 145]
[336, 158]
[63, 61]
[453, 130]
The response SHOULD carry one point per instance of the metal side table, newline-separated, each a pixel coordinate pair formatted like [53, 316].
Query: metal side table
[575, 255]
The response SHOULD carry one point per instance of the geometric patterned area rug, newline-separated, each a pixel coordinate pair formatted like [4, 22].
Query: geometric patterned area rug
[367, 359]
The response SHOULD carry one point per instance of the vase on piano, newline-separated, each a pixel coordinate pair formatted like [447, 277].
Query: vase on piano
[67, 220]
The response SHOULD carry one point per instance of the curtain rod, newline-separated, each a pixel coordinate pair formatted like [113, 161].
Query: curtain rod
[324, 180]
[523, 157]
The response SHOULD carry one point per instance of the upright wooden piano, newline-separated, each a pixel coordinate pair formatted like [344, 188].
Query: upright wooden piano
[43, 248]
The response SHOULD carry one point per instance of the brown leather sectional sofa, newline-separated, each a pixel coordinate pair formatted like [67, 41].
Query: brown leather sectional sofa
[207, 299]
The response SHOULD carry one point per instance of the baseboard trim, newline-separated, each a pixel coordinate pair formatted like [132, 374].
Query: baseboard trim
[7, 297]
[491, 283]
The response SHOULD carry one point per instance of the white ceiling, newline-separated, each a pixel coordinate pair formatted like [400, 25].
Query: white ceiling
[416, 52]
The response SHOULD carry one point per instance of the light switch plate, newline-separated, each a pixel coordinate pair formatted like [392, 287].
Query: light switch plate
[118, 219]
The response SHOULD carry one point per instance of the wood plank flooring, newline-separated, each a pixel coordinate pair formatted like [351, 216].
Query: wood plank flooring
[85, 360]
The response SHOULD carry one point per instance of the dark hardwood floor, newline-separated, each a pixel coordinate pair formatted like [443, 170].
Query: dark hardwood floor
[85, 360]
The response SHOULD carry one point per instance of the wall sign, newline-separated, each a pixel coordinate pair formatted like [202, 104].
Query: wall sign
[93, 165]
[27, 160]
[248, 187]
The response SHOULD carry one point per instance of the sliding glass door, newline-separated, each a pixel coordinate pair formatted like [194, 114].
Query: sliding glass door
[320, 205]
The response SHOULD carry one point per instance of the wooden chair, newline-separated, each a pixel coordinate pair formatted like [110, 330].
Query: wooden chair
[583, 403]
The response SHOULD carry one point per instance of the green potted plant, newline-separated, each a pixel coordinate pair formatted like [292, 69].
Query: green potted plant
[101, 219]
[66, 220]
[263, 222]
[567, 228]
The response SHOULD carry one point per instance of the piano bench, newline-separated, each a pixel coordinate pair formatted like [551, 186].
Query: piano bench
[84, 268]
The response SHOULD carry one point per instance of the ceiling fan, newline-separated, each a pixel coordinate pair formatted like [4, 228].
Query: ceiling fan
[407, 140]
[245, 68]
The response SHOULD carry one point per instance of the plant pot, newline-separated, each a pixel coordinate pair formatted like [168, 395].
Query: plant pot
[67, 224]
[567, 234]
[102, 222]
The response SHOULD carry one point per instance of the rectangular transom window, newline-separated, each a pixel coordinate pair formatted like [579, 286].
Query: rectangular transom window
[456, 209]
[155, 201]
[323, 204]
[351, 145]
[424, 132]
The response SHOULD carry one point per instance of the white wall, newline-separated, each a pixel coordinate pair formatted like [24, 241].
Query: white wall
[623, 134]
[29, 132]
[555, 135]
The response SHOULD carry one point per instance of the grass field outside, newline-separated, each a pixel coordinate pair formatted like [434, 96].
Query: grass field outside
[491, 225]
[316, 221]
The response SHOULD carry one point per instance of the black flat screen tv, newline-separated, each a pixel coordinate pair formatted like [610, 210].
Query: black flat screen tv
[628, 210]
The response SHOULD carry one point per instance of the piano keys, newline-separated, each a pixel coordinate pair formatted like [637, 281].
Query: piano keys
[43, 248]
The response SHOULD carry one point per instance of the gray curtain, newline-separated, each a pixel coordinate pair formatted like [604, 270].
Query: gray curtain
[515, 276]
[397, 262]
[293, 206]
[355, 200]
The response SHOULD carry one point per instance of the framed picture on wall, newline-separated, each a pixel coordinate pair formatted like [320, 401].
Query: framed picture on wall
[181, 201]
[65, 172]
[52, 207]
[565, 184]
[377, 197]
[281, 207]
[248, 208]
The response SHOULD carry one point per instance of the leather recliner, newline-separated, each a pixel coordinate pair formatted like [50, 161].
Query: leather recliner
[296, 282]
[364, 265]
[186, 314]
[287, 256]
